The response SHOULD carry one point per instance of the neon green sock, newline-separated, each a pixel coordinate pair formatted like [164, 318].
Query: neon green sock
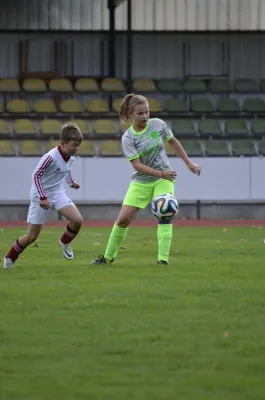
[164, 236]
[116, 237]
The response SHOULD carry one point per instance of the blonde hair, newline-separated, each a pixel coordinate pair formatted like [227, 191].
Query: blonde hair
[71, 131]
[128, 104]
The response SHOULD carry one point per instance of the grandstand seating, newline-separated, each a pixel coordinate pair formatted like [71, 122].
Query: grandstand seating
[212, 116]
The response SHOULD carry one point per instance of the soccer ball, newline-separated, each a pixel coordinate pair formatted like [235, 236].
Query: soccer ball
[165, 207]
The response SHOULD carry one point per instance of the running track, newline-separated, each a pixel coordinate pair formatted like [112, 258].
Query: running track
[144, 223]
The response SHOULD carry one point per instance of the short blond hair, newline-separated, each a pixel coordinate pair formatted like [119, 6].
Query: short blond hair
[71, 131]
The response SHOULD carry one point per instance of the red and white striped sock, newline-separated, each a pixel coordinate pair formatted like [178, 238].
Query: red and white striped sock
[15, 250]
[68, 235]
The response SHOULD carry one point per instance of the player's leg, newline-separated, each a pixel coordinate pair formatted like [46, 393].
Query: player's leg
[119, 231]
[36, 217]
[72, 214]
[137, 196]
[20, 245]
[164, 228]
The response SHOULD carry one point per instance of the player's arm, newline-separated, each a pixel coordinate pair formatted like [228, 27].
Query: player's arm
[176, 145]
[41, 170]
[144, 169]
[71, 182]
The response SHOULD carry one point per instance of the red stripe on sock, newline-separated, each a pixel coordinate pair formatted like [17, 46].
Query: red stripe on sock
[67, 237]
[15, 250]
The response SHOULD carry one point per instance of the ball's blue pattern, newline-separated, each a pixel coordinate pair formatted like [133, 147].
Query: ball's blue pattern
[164, 207]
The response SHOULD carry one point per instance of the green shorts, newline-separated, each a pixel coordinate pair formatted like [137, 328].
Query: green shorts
[139, 195]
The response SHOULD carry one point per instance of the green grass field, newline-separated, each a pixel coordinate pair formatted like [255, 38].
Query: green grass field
[134, 330]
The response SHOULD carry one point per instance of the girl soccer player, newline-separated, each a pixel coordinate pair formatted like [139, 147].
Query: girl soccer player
[47, 192]
[143, 146]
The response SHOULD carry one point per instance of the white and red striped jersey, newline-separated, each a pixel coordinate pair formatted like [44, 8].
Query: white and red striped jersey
[51, 173]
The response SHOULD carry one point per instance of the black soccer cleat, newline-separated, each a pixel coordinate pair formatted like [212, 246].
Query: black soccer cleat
[164, 262]
[101, 260]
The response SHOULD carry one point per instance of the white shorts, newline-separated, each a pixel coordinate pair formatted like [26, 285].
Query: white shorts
[37, 215]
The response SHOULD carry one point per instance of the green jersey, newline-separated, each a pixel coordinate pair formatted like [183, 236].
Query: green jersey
[149, 147]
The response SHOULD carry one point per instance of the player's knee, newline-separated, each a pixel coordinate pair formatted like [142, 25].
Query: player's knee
[123, 223]
[77, 221]
[32, 236]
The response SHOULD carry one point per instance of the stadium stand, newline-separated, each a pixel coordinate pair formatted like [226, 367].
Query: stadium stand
[212, 116]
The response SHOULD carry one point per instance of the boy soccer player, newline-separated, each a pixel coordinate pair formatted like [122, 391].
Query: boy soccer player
[143, 146]
[47, 192]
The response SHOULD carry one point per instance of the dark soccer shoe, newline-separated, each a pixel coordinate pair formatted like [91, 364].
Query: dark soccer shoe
[101, 260]
[162, 262]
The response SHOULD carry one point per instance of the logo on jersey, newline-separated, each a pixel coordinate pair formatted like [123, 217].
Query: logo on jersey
[154, 135]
